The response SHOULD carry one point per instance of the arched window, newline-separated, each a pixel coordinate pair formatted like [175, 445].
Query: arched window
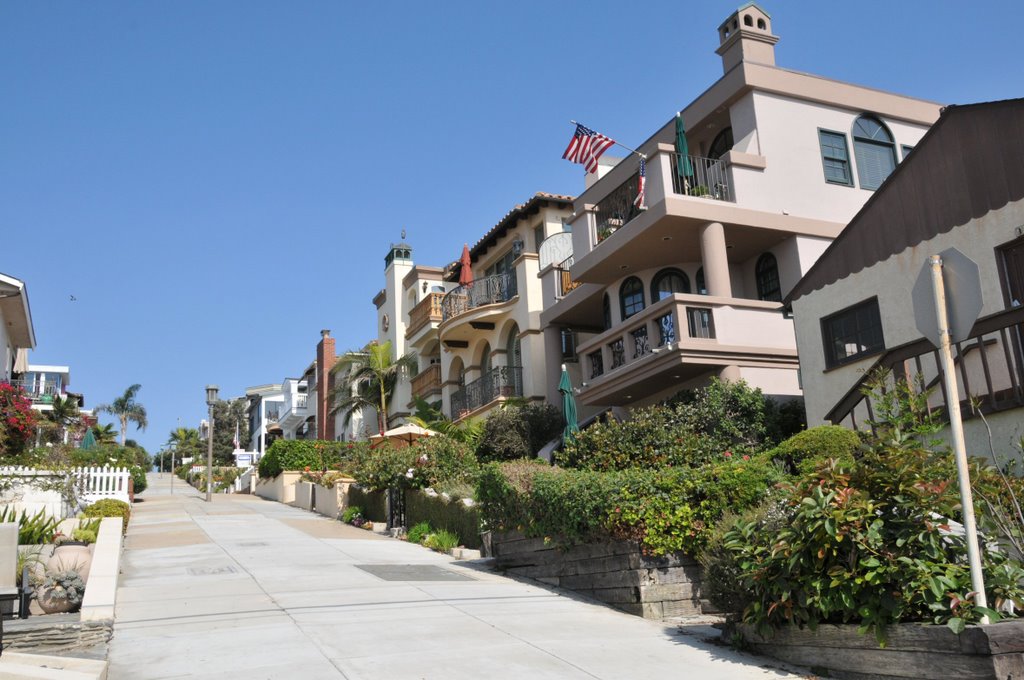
[513, 348]
[669, 281]
[606, 309]
[485, 359]
[874, 150]
[631, 297]
[767, 274]
[723, 143]
[702, 288]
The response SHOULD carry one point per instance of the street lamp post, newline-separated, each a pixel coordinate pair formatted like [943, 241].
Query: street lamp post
[211, 398]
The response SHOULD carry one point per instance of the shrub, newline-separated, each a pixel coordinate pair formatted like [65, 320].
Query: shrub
[441, 513]
[110, 507]
[373, 503]
[298, 454]
[84, 535]
[730, 414]
[518, 432]
[665, 510]
[804, 452]
[442, 541]
[870, 545]
[32, 529]
[350, 513]
[427, 462]
[418, 532]
[17, 420]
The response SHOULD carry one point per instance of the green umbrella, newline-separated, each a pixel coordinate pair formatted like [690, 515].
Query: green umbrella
[568, 407]
[88, 441]
[683, 167]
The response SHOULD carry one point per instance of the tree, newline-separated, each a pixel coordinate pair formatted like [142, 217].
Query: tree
[368, 380]
[468, 431]
[126, 410]
[228, 417]
[186, 444]
[63, 414]
[104, 434]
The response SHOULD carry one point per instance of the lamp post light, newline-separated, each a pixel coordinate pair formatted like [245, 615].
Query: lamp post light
[211, 398]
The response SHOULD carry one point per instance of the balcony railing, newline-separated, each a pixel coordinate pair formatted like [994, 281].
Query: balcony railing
[989, 367]
[39, 391]
[501, 381]
[486, 291]
[708, 177]
[565, 282]
[427, 382]
[426, 311]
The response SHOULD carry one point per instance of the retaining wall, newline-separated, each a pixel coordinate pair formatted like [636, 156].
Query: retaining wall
[280, 488]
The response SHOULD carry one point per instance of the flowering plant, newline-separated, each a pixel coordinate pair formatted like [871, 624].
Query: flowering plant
[17, 419]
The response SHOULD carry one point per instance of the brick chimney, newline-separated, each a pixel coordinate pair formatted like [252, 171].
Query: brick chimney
[325, 358]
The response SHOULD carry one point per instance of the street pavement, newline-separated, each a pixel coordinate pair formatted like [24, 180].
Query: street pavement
[248, 588]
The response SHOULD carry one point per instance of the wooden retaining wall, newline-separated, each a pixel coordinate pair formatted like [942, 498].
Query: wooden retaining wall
[614, 572]
[927, 652]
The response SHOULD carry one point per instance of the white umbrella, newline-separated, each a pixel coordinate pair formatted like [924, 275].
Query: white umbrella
[406, 434]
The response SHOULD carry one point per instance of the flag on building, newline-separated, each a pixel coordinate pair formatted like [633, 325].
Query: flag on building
[641, 185]
[586, 147]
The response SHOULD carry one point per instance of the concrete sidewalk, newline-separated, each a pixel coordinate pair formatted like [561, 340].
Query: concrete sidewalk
[247, 588]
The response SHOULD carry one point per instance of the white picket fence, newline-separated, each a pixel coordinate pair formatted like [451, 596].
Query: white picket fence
[32, 490]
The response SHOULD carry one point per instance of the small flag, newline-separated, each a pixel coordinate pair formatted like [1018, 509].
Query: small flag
[586, 147]
[641, 185]
[237, 440]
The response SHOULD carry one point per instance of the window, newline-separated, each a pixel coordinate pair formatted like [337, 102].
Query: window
[852, 333]
[906, 150]
[835, 157]
[502, 265]
[606, 309]
[702, 288]
[538, 237]
[767, 274]
[669, 281]
[631, 297]
[722, 144]
[874, 151]
[569, 345]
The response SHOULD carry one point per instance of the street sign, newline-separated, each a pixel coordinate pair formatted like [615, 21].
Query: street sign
[963, 297]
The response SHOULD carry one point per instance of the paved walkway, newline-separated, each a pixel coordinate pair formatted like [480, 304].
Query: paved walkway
[247, 588]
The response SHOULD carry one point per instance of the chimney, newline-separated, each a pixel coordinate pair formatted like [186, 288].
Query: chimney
[325, 359]
[747, 36]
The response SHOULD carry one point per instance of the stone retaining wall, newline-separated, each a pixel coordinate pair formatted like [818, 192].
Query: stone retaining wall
[615, 572]
[55, 633]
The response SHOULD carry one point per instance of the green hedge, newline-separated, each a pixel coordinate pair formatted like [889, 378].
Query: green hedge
[804, 452]
[453, 516]
[373, 503]
[299, 454]
[427, 462]
[665, 510]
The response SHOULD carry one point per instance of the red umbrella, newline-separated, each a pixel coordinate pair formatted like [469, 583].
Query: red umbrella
[466, 271]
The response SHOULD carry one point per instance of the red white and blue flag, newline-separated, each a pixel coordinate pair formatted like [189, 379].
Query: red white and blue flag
[641, 185]
[586, 147]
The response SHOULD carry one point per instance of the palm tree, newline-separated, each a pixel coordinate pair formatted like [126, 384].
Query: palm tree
[104, 434]
[186, 442]
[126, 409]
[368, 381]
[63, 413]
[468, 431]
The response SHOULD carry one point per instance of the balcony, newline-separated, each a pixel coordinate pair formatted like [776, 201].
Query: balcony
[479, 293]
[294, 410]
[496, 383]
[40, 392]
[680, 338]
[427, 382]
[564, 283]
[427, 311]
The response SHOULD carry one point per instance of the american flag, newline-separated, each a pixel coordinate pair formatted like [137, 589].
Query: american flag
[586, 147]
[641, 185]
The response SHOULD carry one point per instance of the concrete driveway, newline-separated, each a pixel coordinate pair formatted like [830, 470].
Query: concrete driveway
[247, 588]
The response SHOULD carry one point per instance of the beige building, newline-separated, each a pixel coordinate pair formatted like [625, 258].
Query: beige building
[962, 188]
[654, 299]
[480, 343]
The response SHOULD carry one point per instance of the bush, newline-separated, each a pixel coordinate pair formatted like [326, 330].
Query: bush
[665, 510]
[17, 420]
[110, 507]
[804, 452]
[871, 545]
[373, 503]
[442, 541]
[418, 532]
[441, 513]
[728, 414]
[32, 529]
[350, 513]
[518, 432]
[427, 462]
[298, 454]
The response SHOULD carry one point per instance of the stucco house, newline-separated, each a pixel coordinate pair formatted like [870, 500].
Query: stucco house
[963, 188]
[656, 298]
[17, 334]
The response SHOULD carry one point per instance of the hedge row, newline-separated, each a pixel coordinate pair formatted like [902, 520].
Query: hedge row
[299, 454]
[372, 503]
[665, 510]
[453, 516]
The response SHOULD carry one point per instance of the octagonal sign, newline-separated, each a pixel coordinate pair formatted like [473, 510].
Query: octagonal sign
[962, 281]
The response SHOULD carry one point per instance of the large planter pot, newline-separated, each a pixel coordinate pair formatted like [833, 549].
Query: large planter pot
[54, 605]
[71, 556]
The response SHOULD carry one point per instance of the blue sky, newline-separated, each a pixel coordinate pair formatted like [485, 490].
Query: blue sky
[217, 181]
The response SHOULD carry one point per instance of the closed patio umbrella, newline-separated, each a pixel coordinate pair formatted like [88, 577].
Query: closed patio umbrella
[88, 441]
[466, 270]
[684, 168]
[568, 407]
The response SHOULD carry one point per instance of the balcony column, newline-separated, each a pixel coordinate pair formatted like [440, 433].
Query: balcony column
[716, 263]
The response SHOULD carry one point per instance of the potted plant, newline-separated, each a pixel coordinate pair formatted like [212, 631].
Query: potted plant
[72, 553]
[61, 592]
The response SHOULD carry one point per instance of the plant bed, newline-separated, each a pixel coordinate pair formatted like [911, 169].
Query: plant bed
[928, 652]
[615, 572]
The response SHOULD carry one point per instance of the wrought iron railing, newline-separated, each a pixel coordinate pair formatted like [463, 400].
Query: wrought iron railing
[618, 351]
[500, 381]
[486, 291]
[596, 363]
[666, 329]
[708, 177]
[617, 208]
[565, 282]
[428, 309]
[641, 345]
[989, 366]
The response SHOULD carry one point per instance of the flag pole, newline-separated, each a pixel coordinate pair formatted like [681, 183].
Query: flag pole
[617, 144]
